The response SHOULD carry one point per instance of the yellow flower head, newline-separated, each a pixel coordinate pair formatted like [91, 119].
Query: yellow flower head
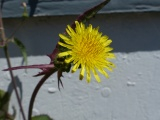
[87, 49]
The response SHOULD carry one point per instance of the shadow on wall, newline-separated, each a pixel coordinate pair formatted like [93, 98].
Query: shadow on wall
[133, 32]
[130, 32]
[2, 2]
[33, 5]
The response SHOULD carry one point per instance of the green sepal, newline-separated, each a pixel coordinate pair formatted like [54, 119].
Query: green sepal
[60, 64]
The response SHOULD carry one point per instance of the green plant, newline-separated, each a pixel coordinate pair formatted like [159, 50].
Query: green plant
[63, 56]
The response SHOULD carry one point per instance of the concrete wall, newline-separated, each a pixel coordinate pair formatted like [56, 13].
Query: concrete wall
[131, 93]
[74, 7]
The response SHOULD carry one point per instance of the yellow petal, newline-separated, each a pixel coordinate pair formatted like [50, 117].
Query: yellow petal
[63, 37]
[104, 73]
[78, 28]
[82, 72]
[70, 29]
[68, 60]
[110, 64]
[104, 39]
[62, 54]
[90, 28]
[96, 75]
[65, 45]
[69, 33]
[111, 55]
[110, 69]
[108, 49]
[82, 26]
[75, 67]
[66, 39]
[108, 42]
[88, 75]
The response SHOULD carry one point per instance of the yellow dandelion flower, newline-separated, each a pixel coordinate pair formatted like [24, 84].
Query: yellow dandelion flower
[88, 50]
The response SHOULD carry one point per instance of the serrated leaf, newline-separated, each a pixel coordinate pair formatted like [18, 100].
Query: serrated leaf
[4, 100]
[41, 117]
[22, 48]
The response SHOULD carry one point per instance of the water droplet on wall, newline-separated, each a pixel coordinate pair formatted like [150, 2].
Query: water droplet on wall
[53, 79]
[156, 56]
[131, 83]
[69, 75]
[50, 80]
[52, 90]
[97, 87]
[35, 112]
[139, 74]
[105, 92]
[24, 74]
[124, 57]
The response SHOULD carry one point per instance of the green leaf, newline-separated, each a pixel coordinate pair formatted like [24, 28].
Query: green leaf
[41, 117]
[4, 104]
[4, 100]
[5, 116]
[22, 48]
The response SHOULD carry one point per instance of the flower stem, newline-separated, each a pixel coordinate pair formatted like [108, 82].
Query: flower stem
[2, 35]
[13, 82]
[44, 78]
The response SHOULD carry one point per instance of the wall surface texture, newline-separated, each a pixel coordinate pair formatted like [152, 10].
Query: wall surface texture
[74, 7]
[131, 93]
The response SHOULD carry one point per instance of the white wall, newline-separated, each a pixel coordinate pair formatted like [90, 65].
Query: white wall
[131, 93]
